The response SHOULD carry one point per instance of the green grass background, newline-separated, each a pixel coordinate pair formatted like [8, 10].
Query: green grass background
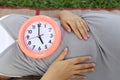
[62, 3]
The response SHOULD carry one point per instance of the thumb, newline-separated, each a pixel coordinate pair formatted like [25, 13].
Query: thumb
[62, 55]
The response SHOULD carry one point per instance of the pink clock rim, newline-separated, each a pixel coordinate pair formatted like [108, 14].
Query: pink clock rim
[52, 49]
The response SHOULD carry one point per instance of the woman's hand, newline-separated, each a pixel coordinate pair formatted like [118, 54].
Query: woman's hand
[62, 69]
[73, 22]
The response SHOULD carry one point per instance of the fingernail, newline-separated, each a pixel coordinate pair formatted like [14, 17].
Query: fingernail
[92, 69]
[86, 38]
[94, 64]
[66, 49]
[84, 77]
[79, 37]
[90, 57]
[88, 35]
[68, 30]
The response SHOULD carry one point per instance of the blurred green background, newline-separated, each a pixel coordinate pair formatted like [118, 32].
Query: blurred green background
[62, 3]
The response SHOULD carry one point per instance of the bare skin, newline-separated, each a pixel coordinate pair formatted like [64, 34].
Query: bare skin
[4, 77]
[70, 22]
[62, 69]
[66, 69]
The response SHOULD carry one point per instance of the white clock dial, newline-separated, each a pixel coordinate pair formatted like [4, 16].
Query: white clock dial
[39, 36]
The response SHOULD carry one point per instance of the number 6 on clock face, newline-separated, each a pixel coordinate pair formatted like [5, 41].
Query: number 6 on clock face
[39, 37]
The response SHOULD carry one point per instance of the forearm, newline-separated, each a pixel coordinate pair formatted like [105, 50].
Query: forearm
[47, 76]
[62, 13]
[4, 77]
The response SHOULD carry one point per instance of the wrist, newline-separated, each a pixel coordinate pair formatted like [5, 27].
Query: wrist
[47, 77]
[61, 13]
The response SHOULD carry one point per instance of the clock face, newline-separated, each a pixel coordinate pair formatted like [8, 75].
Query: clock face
[39, 36]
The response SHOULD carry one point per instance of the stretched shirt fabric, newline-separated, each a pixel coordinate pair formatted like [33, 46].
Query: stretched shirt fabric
[103, 45]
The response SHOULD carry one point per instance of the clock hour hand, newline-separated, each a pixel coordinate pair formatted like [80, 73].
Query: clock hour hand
[39, 25]
[41, 40]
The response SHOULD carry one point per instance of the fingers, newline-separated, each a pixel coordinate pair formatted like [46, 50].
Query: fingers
[62, 55]
[80, 59]
[78, 26]
[85, 24]
[82, 29]
[84, 71]
[85, 27]
[79, 76]
[66, 26]
[75, 30]
[81, 69]
[84, 66]
[79, 73]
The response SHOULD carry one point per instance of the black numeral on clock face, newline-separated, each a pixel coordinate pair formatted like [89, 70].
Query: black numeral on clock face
[50, 29]
[33, 46]
[50, 41]
[30, 31]
[39, 48]
[45, 46]
[27, 37]
[39, 25]
[45, 25]
[33, 26]
[51, 35]
[29, 42]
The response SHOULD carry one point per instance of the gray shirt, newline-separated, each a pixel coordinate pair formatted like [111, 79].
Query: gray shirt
[103, 45]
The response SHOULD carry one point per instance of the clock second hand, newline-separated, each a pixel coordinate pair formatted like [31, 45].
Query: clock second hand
[36, 36]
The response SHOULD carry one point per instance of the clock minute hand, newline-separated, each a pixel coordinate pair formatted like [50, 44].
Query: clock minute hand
[39, 25]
